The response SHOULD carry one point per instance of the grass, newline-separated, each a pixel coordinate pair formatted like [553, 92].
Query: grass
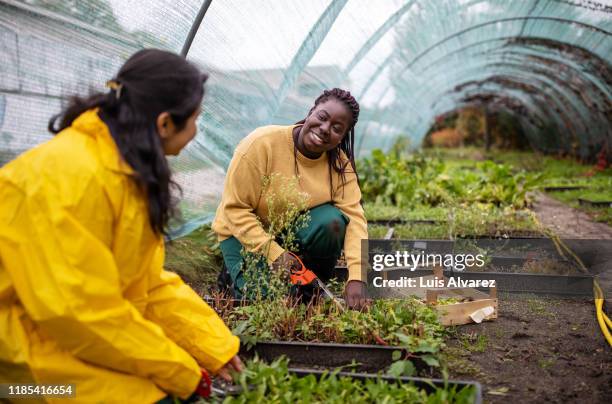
[473, 342]
[457, 360]
[375, 211]
[545, 363]
[538, 308]
[196, 258]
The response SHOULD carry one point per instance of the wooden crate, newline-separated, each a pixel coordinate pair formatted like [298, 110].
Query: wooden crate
[459, 313]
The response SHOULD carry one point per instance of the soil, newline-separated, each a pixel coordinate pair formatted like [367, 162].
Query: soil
[568, 222]
[539, 349]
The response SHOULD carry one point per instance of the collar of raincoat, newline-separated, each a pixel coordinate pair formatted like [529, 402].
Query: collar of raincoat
[90, 123]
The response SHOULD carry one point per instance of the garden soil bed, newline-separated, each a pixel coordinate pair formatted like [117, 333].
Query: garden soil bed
[540, 349]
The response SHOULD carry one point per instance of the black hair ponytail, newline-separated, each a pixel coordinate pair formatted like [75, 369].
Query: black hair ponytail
[150, 82]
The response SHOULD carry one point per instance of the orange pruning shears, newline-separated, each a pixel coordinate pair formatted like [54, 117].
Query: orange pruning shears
[304, 276]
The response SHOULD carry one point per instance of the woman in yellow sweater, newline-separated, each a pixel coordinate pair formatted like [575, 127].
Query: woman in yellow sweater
[319, 151]
[84, 299]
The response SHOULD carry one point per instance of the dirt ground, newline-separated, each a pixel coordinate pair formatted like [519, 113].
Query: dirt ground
[539, 349]
[568, 222]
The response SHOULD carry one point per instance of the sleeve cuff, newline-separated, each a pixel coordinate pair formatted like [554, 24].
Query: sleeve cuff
[234, 347]
[274, 251]
[355, 273]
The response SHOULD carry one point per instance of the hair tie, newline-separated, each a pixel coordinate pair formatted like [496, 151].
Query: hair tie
[114, 85]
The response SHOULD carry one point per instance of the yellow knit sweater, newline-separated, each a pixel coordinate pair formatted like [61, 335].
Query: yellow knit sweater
[269, 151]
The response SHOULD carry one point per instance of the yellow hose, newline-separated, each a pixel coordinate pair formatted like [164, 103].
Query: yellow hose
[607, 320]
[602, 318]
[604, 321]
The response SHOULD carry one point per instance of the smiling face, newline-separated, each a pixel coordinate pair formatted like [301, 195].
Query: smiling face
[324, 128]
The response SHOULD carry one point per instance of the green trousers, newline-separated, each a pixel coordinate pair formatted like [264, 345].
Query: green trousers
[319, 244]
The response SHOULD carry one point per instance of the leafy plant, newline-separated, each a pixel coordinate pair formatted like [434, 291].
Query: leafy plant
[404, 323]
[273, 383]
[420, 179]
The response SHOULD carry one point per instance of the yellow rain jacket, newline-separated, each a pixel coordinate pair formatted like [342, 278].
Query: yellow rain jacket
[84, 298]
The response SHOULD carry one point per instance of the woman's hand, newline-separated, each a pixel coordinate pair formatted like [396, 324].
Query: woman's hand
[234, 364]
[355, 295]
[285, 263]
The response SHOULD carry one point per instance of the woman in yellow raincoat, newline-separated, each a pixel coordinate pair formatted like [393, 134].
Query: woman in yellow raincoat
[84, 299]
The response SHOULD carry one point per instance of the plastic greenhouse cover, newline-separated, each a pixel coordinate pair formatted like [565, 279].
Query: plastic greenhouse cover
[407, 63]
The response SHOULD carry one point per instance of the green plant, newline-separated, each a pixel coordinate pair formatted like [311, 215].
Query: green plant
[473, 342]
[463, 221]
[415, 179]
[403, 323]
[546, 363]
[273, 383]
[286, 215]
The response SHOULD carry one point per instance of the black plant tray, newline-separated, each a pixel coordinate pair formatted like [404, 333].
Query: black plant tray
[229, 301]
[394, 222]
[563, 188]
[529, 236]
[597, 204]
[423, 383]
[370, 358]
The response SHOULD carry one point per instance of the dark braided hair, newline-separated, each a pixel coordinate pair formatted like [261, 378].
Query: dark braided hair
[347, 145]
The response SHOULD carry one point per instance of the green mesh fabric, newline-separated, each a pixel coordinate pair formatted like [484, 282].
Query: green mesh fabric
[547, 62]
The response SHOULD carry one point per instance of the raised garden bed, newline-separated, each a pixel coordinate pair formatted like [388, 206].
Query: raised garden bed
[368, 358]
[595, 203]
[522, 254]
[394, 222]
[562, 188]
[322, 336]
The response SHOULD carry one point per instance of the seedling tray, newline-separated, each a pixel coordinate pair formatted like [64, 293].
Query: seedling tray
[426, 384]
[370, 358]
